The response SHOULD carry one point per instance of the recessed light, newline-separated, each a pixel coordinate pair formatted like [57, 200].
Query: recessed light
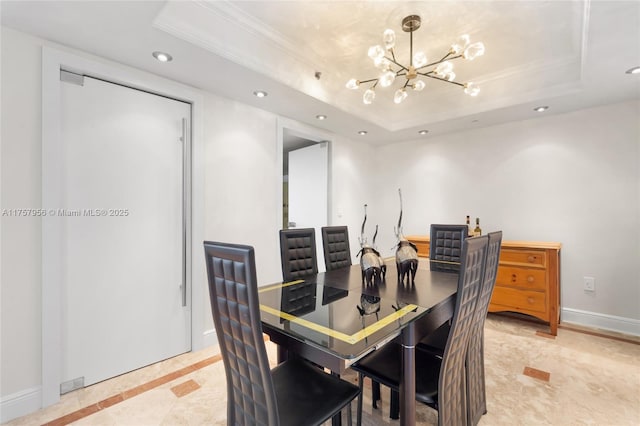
[541, 108]
[321, 117]
[260, 93]
[362, 132]
[162, 56]
[634, 70]
[423, 132]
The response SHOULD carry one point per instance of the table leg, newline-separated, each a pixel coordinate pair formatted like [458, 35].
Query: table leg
[408, 380]
[283, 354]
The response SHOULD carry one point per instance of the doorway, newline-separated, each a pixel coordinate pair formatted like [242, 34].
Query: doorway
[305, 185]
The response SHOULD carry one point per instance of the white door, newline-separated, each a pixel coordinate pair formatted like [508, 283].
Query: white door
[123, 303]
[308, 189]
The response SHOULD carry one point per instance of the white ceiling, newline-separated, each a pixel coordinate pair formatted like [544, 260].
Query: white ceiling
[565, 54]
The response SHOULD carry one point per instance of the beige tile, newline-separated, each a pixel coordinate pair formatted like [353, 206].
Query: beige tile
[185, 388]
[537, 374]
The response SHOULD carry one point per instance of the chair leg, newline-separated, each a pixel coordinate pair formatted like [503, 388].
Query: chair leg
[359, 409]
[375, 393]
[394, 405]
[349, 418]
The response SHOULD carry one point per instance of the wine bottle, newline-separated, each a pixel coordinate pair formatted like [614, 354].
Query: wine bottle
[477, 231]
[468, 226]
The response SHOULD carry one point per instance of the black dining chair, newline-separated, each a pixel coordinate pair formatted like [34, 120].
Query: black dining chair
[294, 392]
[435, 342]
[298, 253]
[476, 394]
[440, 381]
[335, 242]
[445, 247]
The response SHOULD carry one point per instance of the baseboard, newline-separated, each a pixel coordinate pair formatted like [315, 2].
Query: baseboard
[209, 338]
[605, 322]
[20, 404]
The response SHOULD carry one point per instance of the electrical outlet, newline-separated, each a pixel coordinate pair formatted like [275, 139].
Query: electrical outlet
[589, 284]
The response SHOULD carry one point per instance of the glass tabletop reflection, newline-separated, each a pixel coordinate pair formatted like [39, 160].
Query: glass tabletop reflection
[347, 322]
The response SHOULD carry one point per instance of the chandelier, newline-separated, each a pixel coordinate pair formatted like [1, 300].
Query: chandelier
[384, 59]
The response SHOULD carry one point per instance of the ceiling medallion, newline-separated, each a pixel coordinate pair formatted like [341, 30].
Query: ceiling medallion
[384, 59]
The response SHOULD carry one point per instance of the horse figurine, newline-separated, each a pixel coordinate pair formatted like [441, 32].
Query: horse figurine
[406, 253]
[371, 263]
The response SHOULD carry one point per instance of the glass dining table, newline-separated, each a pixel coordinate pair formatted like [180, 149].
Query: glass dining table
[334, 319]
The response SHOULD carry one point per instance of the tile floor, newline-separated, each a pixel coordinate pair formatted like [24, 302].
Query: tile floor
[580, 377]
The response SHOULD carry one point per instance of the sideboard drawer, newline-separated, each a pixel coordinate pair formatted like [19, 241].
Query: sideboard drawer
[519, 299]
[527, 278]
[526, 257]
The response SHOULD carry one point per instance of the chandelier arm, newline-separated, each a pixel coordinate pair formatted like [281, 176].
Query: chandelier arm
[393, 55]
[441, 60]
[398, 64]
[441, 79]
[367, 81]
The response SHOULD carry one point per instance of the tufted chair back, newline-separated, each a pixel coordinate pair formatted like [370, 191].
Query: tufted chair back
[298, 253]
[251, 398]
[476, 395]
[445, 247]
[335, 242]
[452, 401]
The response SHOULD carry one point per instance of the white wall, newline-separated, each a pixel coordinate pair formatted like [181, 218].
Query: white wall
[243, 183]
[572, 178]
[352, 168]
[20, 309]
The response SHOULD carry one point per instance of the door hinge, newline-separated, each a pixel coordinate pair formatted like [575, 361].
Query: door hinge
[71, 385]
[71, 77]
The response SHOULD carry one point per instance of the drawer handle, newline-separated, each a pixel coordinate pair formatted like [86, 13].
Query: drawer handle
[531, 259]
[530, 300]
[530, 278]
[514, 278]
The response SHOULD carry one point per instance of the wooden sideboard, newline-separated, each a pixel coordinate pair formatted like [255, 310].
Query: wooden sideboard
[528, 280]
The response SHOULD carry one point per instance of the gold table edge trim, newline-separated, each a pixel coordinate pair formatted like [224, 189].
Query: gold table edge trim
[351, 339]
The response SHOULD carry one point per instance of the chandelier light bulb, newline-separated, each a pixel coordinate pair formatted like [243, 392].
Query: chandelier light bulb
[473, 51]
[471, 89]
[460, 44]
[444, 68]
[400, 95]
[387, 78]
[376, 52]
[418, 86]
[353, 84]
[389, 39]
[369, 96]
[419, 59]
[382, 63]
[450, 76]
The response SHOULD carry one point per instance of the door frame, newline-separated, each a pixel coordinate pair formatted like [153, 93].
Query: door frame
[53, 60]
